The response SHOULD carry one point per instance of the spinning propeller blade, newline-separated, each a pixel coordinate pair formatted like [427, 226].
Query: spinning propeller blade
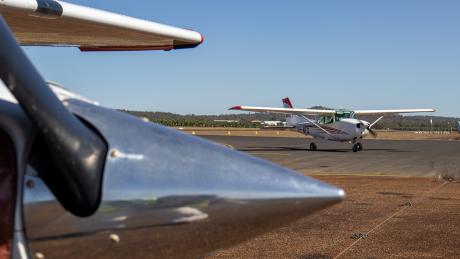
[369, 128]
[372, 132]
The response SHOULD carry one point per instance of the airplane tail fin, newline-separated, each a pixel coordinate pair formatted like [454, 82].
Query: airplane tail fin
[287, 103]
[291, 120]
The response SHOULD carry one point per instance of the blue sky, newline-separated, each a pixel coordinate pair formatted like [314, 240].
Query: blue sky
[344, 54]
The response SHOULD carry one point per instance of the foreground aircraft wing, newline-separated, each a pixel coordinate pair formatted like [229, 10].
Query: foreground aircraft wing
[57, 23]
[366, 112]
[294, 111]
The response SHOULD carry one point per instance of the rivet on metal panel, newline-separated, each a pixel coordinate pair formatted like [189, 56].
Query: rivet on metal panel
[30, 184]
[114, 238]
[114, 153]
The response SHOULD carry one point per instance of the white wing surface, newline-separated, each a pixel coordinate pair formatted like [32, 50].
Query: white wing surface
[57, 23]
[366, 112]
[294, 111]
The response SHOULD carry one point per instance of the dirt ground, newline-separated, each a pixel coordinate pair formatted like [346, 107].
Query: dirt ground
[382, 217]
[393, 135]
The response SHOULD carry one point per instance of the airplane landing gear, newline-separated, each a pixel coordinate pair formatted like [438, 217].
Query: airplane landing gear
[313, 146]
[357, 147]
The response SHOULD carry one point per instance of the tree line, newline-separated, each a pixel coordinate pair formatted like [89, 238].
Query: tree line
[245, 120]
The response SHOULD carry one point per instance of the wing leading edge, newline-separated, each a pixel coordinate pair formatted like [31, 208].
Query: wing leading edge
[366, 112]
[57, 23]
[294, 111]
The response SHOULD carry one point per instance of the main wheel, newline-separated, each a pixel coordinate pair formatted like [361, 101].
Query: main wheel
[355, 148]
[313, 146]
[360, 146]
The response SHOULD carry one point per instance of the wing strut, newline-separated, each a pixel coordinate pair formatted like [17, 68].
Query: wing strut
[314, 123]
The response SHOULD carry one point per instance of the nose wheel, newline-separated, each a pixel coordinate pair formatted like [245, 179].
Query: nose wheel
[357, 147]
[313, 146]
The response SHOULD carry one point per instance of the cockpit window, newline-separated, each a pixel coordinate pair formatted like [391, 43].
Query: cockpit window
[343, 114]
[339, 115]
[325, 119]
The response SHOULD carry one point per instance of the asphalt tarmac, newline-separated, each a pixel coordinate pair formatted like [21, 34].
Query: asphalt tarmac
[389, 212]
[379, 157]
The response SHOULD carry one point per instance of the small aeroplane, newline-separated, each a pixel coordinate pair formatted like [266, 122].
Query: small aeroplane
[331, 125]
[78, 180]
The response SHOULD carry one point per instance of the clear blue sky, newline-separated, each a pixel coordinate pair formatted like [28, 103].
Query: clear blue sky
[344, 54]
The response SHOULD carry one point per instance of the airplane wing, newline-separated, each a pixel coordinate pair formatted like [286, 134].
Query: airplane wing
[57, 23]
[367, 112]
[294, 111]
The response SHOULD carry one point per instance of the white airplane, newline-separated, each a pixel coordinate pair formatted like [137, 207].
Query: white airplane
[332, 125]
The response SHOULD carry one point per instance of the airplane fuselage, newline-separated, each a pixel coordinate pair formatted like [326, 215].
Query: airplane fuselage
[343, 130]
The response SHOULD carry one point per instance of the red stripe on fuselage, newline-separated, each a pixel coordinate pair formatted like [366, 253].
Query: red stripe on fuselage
[330, 130]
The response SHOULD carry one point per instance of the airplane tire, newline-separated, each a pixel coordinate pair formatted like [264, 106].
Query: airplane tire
[313, 146]
[355, 148]
[360, 146]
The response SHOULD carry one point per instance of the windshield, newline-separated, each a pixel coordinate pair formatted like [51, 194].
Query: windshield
[343, 114]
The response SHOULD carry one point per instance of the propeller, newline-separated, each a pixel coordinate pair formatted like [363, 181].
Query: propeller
[77, 152]
[371, 131]
[370, 125]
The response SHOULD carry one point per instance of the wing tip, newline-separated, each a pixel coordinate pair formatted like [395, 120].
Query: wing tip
[175, 45]
[202, 38]
[236, 108]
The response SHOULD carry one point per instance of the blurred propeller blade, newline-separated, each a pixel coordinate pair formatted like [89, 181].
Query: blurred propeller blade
[372, 132]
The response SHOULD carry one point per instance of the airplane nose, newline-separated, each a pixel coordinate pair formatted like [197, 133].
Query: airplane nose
[230, 196]
[365, 132]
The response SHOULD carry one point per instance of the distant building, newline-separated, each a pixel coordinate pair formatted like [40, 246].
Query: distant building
[273, 123]
[269, 123]
[227, 121]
